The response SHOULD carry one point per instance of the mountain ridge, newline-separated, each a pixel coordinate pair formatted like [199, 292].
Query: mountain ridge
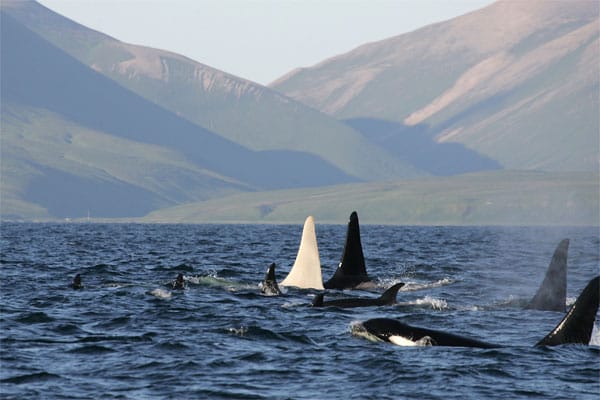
[483, 80]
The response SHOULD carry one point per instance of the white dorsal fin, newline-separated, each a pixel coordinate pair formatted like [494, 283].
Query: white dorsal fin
[306, 272]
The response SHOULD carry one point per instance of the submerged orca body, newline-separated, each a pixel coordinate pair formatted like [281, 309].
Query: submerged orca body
[552, 294]
[387, 298]
[306, 271]
[575, 327]
[269, 285]
[351, 272]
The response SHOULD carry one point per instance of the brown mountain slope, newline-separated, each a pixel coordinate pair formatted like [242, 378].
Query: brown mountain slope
[517, 81]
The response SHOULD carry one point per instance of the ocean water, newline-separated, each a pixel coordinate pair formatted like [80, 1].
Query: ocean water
[126, 335]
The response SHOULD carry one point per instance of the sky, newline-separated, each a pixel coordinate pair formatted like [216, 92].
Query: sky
[259, 40]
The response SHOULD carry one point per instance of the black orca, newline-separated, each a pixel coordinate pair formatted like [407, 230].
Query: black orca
[178, 283]
[351, 272]
[552, 294]
[387, 298]
[77, 282]
[269, 285]
[575, 327]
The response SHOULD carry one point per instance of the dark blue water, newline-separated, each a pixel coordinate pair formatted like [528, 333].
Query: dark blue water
[120, 337]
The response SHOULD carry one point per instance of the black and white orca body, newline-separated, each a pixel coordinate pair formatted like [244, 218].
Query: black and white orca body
[552, 294]
[401, 334]
[387, 298]
[575, 327]
[269, 285]
[351, 272]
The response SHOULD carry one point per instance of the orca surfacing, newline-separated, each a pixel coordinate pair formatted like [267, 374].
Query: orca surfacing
[552, 294]
[387, 298]
[575, 327]
[306, 271]
[351, 272]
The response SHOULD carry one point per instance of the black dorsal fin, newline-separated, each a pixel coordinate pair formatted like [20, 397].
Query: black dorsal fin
[552, 294]
[389, 296]
[318, 300]
[351, 270]
[577, 325]
[270, 275]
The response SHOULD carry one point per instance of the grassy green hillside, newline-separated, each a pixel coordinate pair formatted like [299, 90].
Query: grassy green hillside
[47, 145]
[492, 198]
[516, 81]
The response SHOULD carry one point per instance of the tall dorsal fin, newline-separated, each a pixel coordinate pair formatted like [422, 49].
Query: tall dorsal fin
[552, 294]
[306, 271]
[577, 325]
[389, 296]
[351, 270]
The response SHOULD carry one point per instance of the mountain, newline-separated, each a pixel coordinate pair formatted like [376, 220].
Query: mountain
[516, 81]
[75, 141]
[240, 111]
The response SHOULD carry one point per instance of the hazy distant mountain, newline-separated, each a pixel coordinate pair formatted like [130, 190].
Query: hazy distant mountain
[74, 140]
[243, 112]
[517, 81]
[484, 198]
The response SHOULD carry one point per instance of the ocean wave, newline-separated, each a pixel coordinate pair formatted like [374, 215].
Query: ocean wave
[427, 302]
[414, 286]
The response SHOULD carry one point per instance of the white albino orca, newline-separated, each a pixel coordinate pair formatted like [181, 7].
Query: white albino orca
[552, 294]
[387, 298]
[351, 272]
[575, 327]
[306, 271]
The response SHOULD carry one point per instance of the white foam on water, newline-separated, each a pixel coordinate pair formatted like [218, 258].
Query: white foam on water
[429, 302]
[161, 293]
[414, 286]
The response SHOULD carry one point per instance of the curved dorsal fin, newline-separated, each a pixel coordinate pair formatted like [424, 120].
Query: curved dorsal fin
[306, 271]
[389, 296]
[552, 294]
[577, 325]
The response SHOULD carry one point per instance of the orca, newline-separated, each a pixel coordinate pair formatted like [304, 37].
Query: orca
[552, 294]
[387, 298]
[351, 272]
[77, 282]
[306, 271]
[575, 327]
[269, 284]
[178, 283]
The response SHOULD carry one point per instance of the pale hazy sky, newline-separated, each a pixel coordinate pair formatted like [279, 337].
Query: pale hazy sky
[259, 40]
